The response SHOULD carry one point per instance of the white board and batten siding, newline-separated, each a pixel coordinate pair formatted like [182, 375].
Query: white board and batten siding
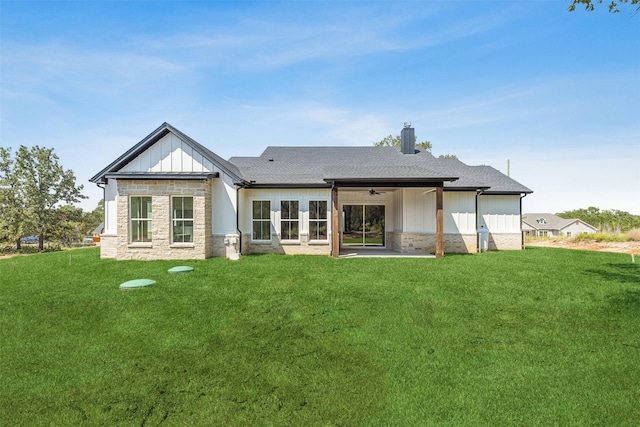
[419, 211]
[171, 154]
[500, 214]
[275, 196]
[459, 212]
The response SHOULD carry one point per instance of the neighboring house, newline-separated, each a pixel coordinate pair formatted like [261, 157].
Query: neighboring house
[545, 224]
[169, 197]
[97, 232]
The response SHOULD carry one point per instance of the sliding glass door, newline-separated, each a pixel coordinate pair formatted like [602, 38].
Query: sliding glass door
[363, 225]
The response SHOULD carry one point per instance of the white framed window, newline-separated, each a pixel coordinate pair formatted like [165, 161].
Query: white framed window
[318, 223]
[182, 219]
[568, 234]
[289, 220]
[261, 220]
[140, 219]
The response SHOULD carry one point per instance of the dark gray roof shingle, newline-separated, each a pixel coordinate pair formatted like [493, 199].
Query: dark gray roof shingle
[318, 165]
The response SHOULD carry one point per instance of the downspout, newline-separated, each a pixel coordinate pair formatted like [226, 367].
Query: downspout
[238, 217]
[104, 204]
[334, 227]
[478, 248]
[521, 232]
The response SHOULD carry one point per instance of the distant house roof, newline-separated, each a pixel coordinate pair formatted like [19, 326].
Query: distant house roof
[547, 221]
[99, 229]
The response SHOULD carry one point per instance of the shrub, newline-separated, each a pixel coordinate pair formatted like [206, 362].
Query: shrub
[634, 234]
[603, 237]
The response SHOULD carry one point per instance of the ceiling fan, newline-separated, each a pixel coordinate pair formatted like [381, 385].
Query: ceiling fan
[373, 192]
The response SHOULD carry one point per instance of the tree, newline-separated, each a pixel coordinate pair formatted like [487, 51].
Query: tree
[67, 226]
[614, 221]
[589, 5]
[42, 184]
[395, 141]
[447, 156]
[13, 214]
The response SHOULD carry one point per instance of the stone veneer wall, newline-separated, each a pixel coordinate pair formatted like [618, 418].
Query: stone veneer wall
[505, 241]
[275, 246]
[161, 246]
[108, 246]
[425, 243]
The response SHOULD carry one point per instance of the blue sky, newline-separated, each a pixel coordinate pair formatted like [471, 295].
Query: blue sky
[555, 93]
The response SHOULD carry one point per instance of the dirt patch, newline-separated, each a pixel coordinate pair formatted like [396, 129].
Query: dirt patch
[589, 245]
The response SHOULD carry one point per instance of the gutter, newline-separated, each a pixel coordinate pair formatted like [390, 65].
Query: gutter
[239, 187]
[478, 248]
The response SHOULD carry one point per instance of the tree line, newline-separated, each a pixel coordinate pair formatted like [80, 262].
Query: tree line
[36, 198]
[607, 221]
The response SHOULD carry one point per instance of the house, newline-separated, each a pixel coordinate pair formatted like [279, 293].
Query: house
[97, 232]
[546, 224]
[169, 197]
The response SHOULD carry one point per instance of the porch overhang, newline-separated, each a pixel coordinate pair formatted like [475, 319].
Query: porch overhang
[388, 182]
[346, 183]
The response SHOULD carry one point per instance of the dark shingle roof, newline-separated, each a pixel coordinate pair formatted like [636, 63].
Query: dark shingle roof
[319, 165]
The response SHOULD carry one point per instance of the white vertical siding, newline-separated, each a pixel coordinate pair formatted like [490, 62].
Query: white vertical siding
[303, 196]
[223, 209]
[110, 208]
[500, 214]
[459, 212]
[418, 210]
[169, 154]
[397, 210]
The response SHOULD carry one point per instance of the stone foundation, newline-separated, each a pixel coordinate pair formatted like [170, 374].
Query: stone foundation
[505, 242]
[108, 246]
[276, 246]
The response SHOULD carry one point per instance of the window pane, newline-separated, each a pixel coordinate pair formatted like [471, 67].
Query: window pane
[256, 230]
[257, 209]
[293, 209]
[146, 205]
[265, 230]
[266, 209]
[135, 207]
[187, 206]
[284, 209]
[322, 209]
[318, 209]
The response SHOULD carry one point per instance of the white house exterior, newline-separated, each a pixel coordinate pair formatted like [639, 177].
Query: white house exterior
[169, 197]
[549, 225]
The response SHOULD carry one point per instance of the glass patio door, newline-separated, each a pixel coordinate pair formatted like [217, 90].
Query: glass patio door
[363, 225]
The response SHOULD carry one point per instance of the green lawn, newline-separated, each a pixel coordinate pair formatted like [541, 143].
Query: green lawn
[540, 337]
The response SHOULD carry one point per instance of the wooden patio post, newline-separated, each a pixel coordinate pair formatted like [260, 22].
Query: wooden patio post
[335, 224]
[439, 224]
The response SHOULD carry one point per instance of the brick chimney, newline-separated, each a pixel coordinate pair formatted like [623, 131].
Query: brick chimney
[408, 139]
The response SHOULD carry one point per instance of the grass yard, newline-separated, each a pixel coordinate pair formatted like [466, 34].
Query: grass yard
[540, 337]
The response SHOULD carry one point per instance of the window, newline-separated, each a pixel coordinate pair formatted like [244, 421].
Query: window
[182, 219]
[318, 220]
[289, 220]
[568, 234]
[140, 213]
[261, 220]
[543, 233]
